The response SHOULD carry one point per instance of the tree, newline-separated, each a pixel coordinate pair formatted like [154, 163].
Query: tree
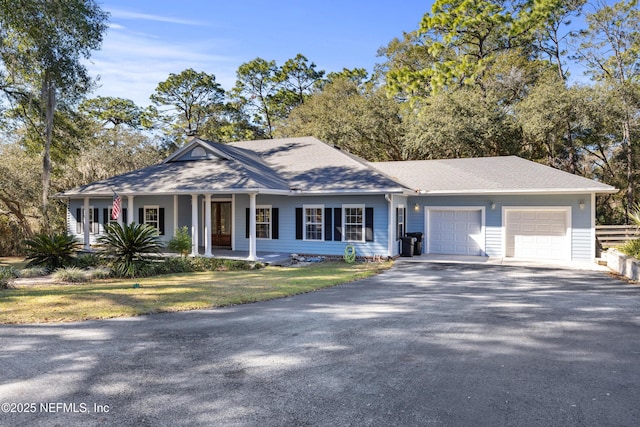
[42, 43]
[545, 114]
[191, 98]
[461, 123]
[406, 59]
[359, 118]
[459, 40]
[255, 91]
[269, 93]
[611, 49]
[298, 78]
[18, 187]
[114, 111]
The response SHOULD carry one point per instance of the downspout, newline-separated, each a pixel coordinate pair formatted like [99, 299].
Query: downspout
[389, 198]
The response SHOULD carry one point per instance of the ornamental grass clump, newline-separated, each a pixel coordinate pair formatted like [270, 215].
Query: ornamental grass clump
[7, 276]
[70, 275]
[632, 247]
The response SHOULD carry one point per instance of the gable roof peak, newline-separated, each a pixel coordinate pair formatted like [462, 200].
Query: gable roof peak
[192, 145]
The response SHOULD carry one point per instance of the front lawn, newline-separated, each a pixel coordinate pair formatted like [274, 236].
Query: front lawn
[175, 292]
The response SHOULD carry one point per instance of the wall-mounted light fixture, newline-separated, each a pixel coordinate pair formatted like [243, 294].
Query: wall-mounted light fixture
[581, 204]
[416, 207]
[492, 205]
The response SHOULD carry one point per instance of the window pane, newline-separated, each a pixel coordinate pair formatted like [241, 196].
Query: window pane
[313, 223]
[263, 223]
[353, 226]
[151, 217]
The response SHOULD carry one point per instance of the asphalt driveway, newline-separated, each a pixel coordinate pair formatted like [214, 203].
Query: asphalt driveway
[421, 344]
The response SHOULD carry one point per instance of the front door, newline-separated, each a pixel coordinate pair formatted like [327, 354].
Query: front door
[221, 218]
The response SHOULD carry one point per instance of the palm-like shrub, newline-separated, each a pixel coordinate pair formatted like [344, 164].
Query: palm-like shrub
[181, 243]
[128, 247]
[51, 252]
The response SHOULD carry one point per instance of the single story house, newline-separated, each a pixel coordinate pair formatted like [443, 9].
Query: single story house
[301, 195]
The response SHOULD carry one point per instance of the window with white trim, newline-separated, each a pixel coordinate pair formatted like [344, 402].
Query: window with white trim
[263, 222]
[353, 223]
[152, 216]
[94, 226]
[313, 222]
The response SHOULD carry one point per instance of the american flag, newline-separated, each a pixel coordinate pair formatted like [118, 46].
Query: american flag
[115, 212]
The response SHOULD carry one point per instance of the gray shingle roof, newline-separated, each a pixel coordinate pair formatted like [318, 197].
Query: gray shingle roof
[310, 165]
[239, 171]
[509, 174]
[275, 166]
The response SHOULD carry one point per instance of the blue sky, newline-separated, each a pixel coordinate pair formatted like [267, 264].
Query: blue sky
[147, 40]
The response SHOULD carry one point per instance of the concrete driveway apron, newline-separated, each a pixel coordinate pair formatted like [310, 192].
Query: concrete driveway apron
[421, 344]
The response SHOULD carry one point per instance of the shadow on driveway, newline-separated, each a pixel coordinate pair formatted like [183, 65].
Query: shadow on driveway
[421, 344]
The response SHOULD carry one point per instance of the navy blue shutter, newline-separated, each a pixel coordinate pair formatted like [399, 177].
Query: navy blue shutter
[161, 221]
[247, 224]
[368, 224]
[140, 215]
[299, 224]
[105, 216]
[337, 220]
[328, 224]
[124, 215]
[275, 219]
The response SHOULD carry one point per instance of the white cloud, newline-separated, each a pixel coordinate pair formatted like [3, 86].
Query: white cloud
[131, 65]
[125, 14]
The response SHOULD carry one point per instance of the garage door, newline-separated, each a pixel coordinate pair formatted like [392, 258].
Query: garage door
[541, 234]
[455, 232]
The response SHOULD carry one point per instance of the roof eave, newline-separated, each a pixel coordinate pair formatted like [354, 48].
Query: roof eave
[518, 191]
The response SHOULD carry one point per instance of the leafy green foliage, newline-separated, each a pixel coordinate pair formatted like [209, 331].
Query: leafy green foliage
[631, 248]
[42, 47]
[52, 252]
[193, 96]
[356, 117]
[87, 260]
[181, 242]
[268, 93]
[129, 248]
[114, 111]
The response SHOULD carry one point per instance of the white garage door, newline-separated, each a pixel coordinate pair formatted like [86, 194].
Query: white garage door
[541, 234]
[455, 232]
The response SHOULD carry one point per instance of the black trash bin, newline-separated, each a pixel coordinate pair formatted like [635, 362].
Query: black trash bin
[407, 245]
[417, 246]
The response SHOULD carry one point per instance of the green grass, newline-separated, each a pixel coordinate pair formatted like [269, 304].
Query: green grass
[175, 292]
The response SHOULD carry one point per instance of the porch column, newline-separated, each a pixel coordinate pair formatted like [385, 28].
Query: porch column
[207, 226]
[175, 214]
[194, 225]
[129, 210]
[252, 227]
[86, 224]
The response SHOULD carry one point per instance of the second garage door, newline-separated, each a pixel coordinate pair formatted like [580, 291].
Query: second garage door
[454, 231]
[537, 233]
